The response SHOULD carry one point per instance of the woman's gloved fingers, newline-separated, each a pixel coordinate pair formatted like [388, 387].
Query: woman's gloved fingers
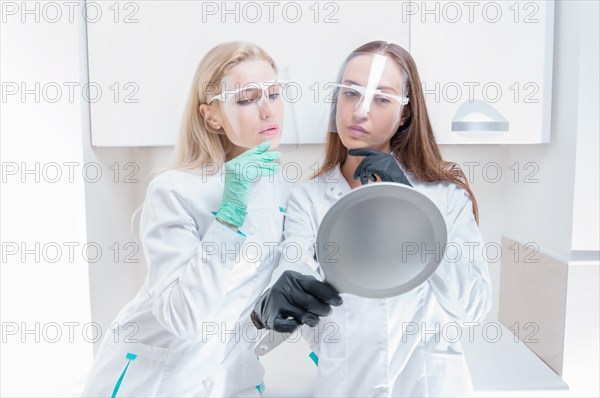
[321, 290]
[310, 319]
[291, 312]
[263, 168]
[395, 175]
[254, 169]
[371, 173]
[364, 179]
[360, 168]
[362, 172]
[259, 152]
[257, 164]
[270, 156]
[268, 171]
[263, 157]
[282, 324]
[364, 176]
[260, 148]
[362, 152]
[405, 180]
[312, 304]
[359, 173]
[379, 164]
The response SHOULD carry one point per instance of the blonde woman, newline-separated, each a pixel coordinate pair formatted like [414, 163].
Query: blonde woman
[207, 228]
[399, 346]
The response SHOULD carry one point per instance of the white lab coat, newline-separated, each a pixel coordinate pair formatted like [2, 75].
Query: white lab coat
[189, 324]
[390, 347]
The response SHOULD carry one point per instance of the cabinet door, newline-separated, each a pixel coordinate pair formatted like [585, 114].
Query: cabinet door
[486, 68]
[143, 55]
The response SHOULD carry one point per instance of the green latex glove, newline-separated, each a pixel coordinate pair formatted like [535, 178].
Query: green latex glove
[239, 174]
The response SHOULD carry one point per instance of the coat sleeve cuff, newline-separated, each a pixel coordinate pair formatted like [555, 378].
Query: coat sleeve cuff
[220, 240]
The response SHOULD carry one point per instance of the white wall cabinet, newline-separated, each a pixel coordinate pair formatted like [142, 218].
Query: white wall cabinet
[142, 57]
[486, 68]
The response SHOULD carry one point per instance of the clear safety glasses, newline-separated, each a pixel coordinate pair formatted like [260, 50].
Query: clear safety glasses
[253, 93]
[368, 98]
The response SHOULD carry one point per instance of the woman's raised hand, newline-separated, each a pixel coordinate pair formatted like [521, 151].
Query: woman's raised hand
[240, 172]
[377, 163]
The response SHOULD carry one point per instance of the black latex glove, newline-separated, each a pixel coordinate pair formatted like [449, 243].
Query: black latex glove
[302, 297]
[377, 163]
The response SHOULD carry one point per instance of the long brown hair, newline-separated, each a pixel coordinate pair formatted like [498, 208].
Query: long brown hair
[414, 143]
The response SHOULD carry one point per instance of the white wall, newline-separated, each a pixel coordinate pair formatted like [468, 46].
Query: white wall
[543, 212]
[109, 207]
[45, 308]
[560, 212]
[586, 216]
[581, 360]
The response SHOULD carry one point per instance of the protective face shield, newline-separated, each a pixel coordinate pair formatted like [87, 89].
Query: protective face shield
[370, 92]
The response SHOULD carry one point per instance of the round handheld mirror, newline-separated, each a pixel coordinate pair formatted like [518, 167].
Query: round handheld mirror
[379, 240]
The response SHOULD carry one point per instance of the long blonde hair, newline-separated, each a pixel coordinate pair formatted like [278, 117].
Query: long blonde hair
[198, 144]
[414, 143]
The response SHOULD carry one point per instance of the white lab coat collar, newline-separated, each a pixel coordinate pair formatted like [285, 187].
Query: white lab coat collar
[336, 185]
